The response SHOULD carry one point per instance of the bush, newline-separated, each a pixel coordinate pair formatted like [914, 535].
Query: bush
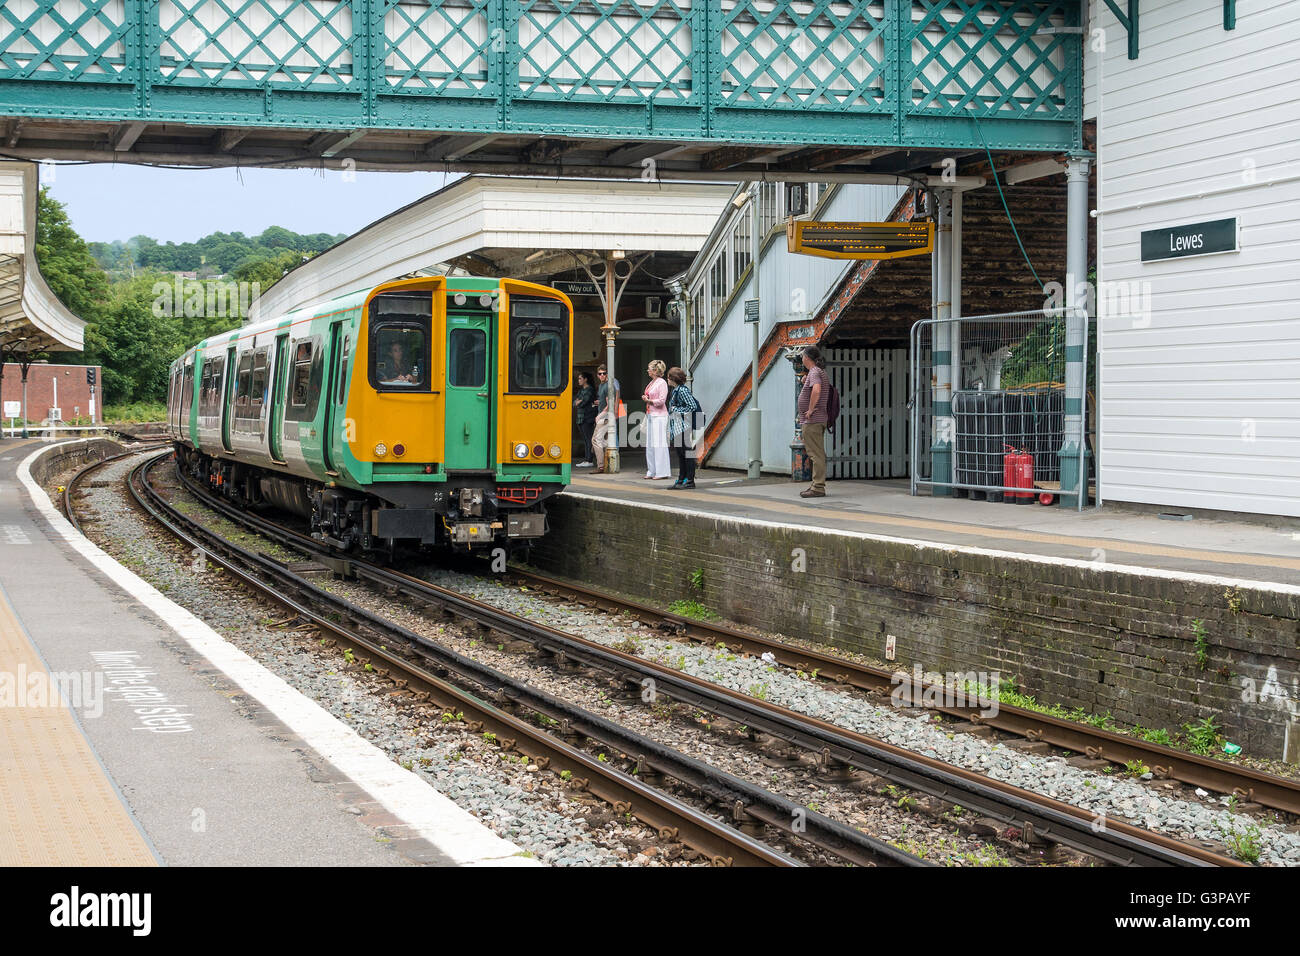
[135, 412]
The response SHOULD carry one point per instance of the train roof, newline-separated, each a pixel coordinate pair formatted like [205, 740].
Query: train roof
[342, 303]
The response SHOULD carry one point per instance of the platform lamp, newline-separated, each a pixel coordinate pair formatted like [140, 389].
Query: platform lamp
[25, 361]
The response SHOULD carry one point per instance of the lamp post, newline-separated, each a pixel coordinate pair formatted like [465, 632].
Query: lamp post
[610, 286]
[610, 331]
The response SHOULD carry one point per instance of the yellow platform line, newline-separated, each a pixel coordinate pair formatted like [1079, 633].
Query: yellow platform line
[57, 806]
[790, 511]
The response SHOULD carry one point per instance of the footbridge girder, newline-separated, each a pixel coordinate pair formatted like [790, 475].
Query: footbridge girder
[705, 85]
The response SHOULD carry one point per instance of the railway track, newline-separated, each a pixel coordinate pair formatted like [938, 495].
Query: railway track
[83, 473]
[1040, 818]
[500, 705]
[1247, 784]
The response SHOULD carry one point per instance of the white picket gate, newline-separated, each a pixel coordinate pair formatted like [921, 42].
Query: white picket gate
[871, 438]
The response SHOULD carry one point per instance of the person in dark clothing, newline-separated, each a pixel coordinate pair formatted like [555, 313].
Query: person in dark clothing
[584, 410]
[683, 419]
[813, 400]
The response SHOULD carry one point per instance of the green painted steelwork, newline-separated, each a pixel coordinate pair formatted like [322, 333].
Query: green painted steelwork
[904, 73]
[1129, 22]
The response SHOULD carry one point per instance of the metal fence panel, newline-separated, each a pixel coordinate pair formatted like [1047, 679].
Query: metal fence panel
[1008, 394]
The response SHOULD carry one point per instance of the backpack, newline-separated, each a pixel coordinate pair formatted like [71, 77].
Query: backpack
[832, 406]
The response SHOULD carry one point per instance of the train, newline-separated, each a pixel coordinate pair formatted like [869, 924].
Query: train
[430, 412]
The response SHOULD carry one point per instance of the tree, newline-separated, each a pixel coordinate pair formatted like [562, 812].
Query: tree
[268, 270]
[66, 261]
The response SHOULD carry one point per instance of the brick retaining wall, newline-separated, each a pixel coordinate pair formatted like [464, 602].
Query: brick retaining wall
[1071, 633]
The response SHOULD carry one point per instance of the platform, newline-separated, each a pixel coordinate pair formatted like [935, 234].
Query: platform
[243, 770]
[1256, 549]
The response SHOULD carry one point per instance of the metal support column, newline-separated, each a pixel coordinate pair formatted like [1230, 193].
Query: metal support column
[954, 290]
[941, 383]
[610, 330]
[755, 417]
[1074, 453]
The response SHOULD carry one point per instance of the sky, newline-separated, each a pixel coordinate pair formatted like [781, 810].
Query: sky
[107, 202]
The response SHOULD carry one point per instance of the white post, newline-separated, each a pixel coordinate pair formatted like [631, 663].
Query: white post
[755, 413]
[1074, 453]
[944, 431]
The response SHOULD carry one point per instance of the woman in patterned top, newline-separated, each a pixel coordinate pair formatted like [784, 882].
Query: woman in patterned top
[682, 411]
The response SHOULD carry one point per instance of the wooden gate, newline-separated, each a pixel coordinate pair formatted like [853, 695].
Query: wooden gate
[872, 436]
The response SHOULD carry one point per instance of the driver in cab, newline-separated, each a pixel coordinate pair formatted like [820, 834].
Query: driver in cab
[398, 371]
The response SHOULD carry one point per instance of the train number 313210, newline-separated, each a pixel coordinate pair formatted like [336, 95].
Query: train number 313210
[540, 405]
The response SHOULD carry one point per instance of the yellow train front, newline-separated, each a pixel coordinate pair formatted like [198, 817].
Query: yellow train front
[434, 410]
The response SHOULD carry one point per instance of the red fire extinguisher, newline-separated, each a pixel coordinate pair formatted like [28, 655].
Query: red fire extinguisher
[1025, 477]
[1009, 465]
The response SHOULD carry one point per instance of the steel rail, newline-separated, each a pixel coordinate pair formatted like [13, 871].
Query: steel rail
[1246, 783]
[70, 488]
[747, 803]
[1042, 817]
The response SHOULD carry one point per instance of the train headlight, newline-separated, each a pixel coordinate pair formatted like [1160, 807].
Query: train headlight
[399, 450]
[459, 298]
[485, 300]
[555, 451]
[381, 450]
[521, 450]
[539, 450]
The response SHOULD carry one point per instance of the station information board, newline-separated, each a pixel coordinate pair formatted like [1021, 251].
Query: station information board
[860, 240]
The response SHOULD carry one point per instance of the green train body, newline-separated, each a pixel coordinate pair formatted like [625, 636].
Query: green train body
[431, 410]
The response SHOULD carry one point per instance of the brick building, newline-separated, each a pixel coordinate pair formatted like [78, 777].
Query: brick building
[55, 386]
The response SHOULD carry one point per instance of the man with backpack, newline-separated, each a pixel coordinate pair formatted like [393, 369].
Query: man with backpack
[815, 400]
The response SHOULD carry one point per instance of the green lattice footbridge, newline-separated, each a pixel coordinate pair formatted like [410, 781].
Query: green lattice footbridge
[898, 73]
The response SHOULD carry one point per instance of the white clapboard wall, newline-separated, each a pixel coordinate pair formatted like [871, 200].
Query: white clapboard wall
[872, 437]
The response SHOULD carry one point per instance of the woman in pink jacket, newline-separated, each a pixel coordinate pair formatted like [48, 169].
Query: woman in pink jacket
[657, 463]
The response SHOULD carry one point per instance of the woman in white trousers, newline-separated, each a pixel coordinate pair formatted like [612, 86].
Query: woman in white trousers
[657, 463]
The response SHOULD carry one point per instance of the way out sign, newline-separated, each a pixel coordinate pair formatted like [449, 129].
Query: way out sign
[1194, 239]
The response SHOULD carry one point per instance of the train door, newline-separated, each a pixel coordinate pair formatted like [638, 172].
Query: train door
[228, 399]
[276, 441]
[333, 410]
[468, 436]
[174, 403]
[338, 433]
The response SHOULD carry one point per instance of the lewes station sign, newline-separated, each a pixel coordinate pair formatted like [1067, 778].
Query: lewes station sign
[1194, 239]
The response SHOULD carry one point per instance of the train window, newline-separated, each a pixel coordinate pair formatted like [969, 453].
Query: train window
[400, 324]
[300, 387]
[343, 370]
[257, 390]
[244, 381]
[399, 355]
[467, 358]
[187, 394]
[538, 345]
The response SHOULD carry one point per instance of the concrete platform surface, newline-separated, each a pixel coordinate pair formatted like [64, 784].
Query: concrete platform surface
[1240, 547]
[223, 764]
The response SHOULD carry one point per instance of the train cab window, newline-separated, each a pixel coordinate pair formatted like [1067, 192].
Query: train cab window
[467, 358]
[399, 350]
[300, 380]
[400, 324]
[538, 345]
